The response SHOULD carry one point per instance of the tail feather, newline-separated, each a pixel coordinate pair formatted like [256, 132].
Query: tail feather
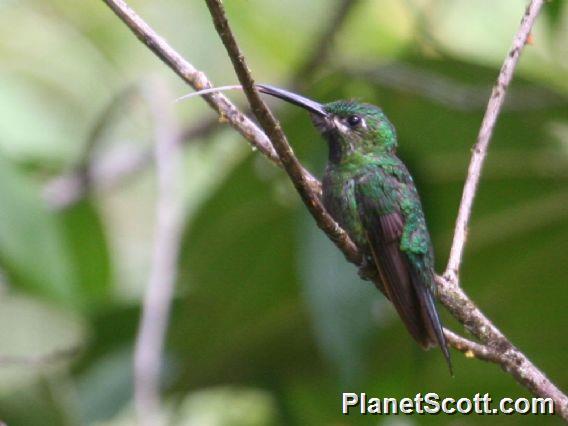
[432, 322]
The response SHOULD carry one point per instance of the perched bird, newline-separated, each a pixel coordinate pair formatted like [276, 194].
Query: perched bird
[368, 190]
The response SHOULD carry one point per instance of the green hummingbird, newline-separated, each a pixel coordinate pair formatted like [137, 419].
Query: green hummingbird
[368, 190]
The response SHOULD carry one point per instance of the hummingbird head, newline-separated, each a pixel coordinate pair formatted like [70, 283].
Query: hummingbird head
[350, 128]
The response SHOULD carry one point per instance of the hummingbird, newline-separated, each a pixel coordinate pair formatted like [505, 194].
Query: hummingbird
[370, 193]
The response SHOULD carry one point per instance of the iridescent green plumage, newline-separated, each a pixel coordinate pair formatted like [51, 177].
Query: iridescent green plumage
[370, 193]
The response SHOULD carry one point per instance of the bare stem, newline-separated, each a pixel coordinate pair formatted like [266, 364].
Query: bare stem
[299, 176]
[483, 139]
[195, 78]
[158, 298]
[471, 349]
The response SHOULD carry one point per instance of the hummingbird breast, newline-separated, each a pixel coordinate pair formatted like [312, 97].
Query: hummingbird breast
[338, 188]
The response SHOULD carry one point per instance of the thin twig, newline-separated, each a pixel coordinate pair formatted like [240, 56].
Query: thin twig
[113, 170]
[299, 176]
[160, 290]
[452, 296]
[471, 349]
[195, 78]
[483, 139]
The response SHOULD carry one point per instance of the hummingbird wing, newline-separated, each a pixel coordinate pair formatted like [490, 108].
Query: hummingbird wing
[391, 215]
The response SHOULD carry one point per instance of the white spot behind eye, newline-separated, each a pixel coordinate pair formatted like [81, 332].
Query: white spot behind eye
[341, 126]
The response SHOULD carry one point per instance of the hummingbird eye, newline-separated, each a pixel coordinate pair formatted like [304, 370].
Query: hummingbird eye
[354, 120]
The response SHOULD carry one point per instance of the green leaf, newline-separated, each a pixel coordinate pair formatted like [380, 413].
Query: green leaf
[89, 254]
[61, 256]
[32, 250]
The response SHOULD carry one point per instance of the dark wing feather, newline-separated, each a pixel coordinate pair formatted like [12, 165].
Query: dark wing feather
[384, 224]
[395, 272]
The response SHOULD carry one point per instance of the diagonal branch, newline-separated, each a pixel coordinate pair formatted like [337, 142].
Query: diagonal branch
[69, 188]
[297, 173]
[495, 345]
[483, 139]
[195, 78]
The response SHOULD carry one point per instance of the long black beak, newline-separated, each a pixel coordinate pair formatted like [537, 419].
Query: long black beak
[293, 98]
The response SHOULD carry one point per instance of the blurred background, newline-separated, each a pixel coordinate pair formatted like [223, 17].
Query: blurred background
[269, 324]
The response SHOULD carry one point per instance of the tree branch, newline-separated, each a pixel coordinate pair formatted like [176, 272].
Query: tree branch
[195, 78]
[67, 189]
[159, 293]
[299, 176]
[483, 139]
[495, 347]
[498, 348]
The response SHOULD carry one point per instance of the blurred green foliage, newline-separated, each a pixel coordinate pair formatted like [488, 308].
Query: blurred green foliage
[270, 323]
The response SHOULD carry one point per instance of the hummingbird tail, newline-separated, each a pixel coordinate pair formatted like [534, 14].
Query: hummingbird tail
[432, 322]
